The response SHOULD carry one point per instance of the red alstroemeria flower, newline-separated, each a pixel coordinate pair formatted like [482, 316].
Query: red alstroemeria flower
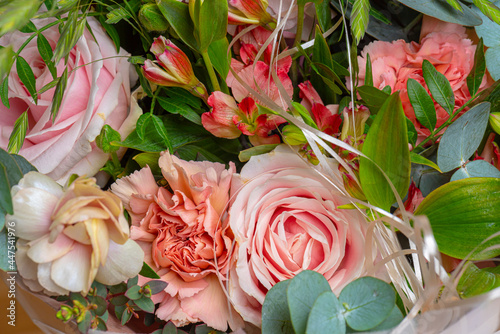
[248, 12]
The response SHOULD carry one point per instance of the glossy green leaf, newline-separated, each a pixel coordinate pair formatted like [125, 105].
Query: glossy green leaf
[443, 11]
[59, 94]
[368, 301]
[422, 104]
[111, 31]
[18, 134]
[463, 137]
[476, 168]
[463, 214]
[412, 132]
[5, 198]
[476, 75]
[418, 159]
[326, 315]
[359, 18]
[175, 106]
[373, 98]
[275, 312]
[475, 281]
[46, 53]
[177, 14]
[386, 145]
[368, 72]
[488, 9]
[323, 14]
[27, 77]
[439, 86]
[218, 53]
[302, 292]
[212, 24]
[150, 159]
[4, 92]
[245, 155]
[162, 131]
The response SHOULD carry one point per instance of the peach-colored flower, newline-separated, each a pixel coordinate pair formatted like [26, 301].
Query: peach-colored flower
[68, 238]
[184, 234]
[448, 49]
[97, 93]
[285, 219]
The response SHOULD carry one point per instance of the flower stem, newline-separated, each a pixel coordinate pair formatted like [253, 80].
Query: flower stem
[300, 24]
[210, 69]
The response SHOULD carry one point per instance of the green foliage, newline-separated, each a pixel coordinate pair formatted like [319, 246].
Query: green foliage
[443, 11]
[70, 34]
[177, 15]
[245, 155]
[147, 271]
[476, 75]
[59, 94]
[455, 4]
[106, 138]
[386, 147]
[26, 76]
[475, 281]
[306, 304]
[6, 60]
[18, 134]
[476, 168]
[488, 31]
[359, 18]
[210, 22]
[16, 14]
[422, 104]
[373, 98]
[463, 214]
[489, 9]
[439, 86]
[218, 53]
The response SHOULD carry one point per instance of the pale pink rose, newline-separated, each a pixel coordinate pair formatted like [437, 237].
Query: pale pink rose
[448, 49]
[69, 237]
[96, 94]
[285, 220]
[185, 236]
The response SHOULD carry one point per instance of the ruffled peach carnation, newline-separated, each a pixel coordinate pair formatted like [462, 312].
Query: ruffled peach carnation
[184, 233]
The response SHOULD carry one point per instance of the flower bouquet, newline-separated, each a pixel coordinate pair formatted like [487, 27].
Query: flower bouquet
[245, 166]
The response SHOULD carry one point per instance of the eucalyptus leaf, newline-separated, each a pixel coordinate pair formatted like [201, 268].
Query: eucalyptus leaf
[5, 197]
[422, 104]
[463, 137]
[145, 304]
[492, 57]
[275, 312]
[326, 315]
[368, 301]
[476, 168]
[463, 214]
[302, 292]
[488, 31]
[394, 318]
[439, 86]
[386, 144]
[443, 11]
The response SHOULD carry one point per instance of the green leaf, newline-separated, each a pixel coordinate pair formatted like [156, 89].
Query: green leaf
[418, 159]
[245, 155]
[27, 77]
[4, 92]
[326, 315]
[443, 11]
[475, 281]
[422, 104]
[275, 312]
[174, 106]
[212, 24]
[18, 134]
[197, 153]
[112, 32]
[412, 132]
[106, 138]
[177, 14]
[70, 34]
[476, 75]
[488, 31]
[455, 4]
[156, 286]
[150, 159]
[439, 86]
[16, 14]
[321, 55]
[147, 271]
[387, 145]
[7, 57]
[302, 292]
[145, 304]
[490, 10]
[463, 137]
[218, 54]
[58, 94]
[323, 14]
[368, 301]
[368, 72]
[162, 131]
[476, 168]
[5, 197]
[117, 14]
[373, 98]
[359, 18]
[463, 214]
[46, 53]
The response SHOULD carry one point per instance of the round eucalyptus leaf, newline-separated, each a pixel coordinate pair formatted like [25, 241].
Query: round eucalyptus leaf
[275, 312]
[326, 315]
[368, 301]
[476, 168]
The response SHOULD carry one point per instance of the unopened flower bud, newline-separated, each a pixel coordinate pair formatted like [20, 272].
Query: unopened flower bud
[495, 121]
[65, 313]
[352, 187]
[152, 19]
[249, 12]
[354, 122]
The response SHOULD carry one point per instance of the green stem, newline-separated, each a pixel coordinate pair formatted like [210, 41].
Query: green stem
[300, 24]
[210, 69]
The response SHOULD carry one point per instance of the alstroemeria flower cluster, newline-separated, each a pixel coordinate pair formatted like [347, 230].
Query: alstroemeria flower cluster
[69, 237]
[185, 236]
[175, 70]
[228, 120]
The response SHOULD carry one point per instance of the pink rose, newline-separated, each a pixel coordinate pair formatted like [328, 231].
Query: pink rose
[285, 220]
[96, 94]
[184, 233]
[448, 49]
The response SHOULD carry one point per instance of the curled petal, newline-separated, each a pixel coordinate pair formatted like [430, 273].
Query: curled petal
[123, 261]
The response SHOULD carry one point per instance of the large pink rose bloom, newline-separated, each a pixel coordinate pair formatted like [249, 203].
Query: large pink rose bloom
[96, 94]
[184, 233]
[445, 45]
[285, 219]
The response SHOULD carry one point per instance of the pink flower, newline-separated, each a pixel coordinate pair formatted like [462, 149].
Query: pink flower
[448, 49]
[175, 70]
[228, 120]
[185, 237]
[248, 12]
[96, 94]
[69, 237]
[285, 220]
